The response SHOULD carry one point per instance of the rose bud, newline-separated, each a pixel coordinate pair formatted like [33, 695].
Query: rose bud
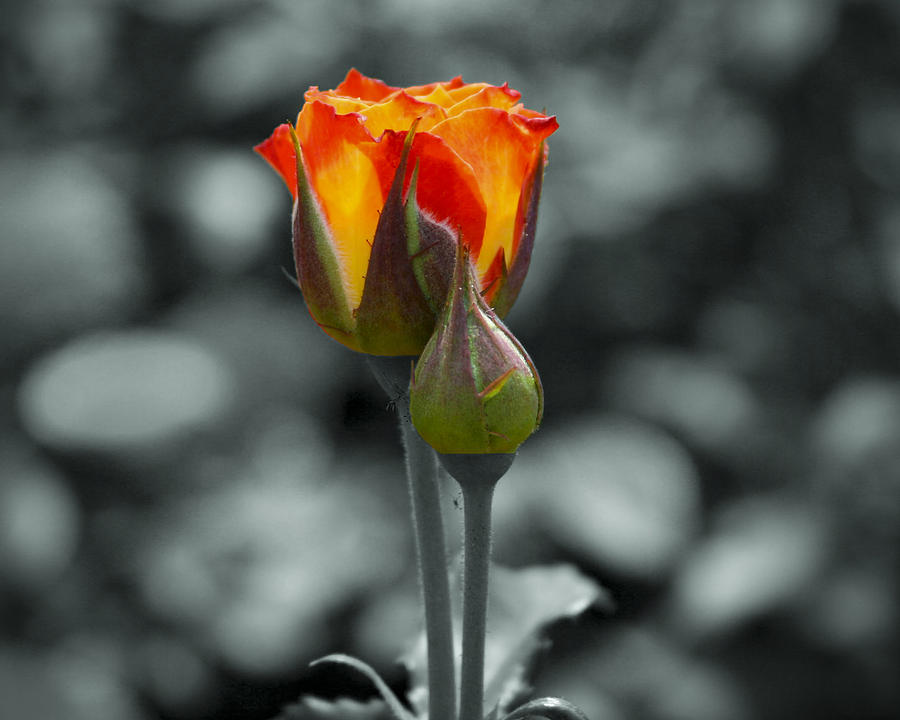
[474, 389]
[386, 180]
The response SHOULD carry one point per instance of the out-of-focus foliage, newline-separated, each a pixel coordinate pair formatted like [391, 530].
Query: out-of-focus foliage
[199, 493]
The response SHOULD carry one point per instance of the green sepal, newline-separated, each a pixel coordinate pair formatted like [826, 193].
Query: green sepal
[394, 317]
[318, 270]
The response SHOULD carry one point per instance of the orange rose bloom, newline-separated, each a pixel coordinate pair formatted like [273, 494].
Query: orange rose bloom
[387, 180]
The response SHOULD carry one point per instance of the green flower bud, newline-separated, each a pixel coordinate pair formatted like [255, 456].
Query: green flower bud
[474, 389]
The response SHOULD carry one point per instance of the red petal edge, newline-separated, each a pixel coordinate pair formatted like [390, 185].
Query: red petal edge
[278, 151]
[365, 88]
[322, 132]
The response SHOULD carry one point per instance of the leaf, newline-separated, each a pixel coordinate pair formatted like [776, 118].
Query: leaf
[393, 703]
[548, 707]
[313, 708]
[522, 605]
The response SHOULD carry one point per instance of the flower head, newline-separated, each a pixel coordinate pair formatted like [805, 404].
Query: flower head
[388, 181]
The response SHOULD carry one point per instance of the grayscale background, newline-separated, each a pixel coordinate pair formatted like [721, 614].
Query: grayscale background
[200, 492]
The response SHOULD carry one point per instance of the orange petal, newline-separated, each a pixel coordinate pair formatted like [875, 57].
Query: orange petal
[520, 109]
[399, 112]
[454, 83]
[365, 88]
[438, 96]
[278, 151]
[488, 96]
[463, 91]
[417, 90]
[346, 184]
[501, 149]
[502, 283]
[343, 104]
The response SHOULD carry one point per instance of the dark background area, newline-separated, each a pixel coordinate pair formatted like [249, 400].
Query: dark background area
[200, 492]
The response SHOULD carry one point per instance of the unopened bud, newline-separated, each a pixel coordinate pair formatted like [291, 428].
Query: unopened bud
[474, 390]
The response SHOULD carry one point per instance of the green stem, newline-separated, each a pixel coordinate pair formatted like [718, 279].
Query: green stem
[428, 522]
[477, 496]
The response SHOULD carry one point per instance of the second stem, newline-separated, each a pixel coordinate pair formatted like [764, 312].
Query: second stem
[477, 497]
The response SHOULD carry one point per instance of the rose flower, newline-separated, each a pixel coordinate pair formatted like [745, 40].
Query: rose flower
[387, 181]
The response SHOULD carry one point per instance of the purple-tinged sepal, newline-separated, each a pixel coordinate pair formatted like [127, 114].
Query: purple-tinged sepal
[394, 317]
[318, 270]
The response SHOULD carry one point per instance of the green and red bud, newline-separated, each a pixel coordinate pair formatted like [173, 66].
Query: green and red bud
[474, 389]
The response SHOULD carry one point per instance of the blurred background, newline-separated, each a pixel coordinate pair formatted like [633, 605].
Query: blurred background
[200, 492]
